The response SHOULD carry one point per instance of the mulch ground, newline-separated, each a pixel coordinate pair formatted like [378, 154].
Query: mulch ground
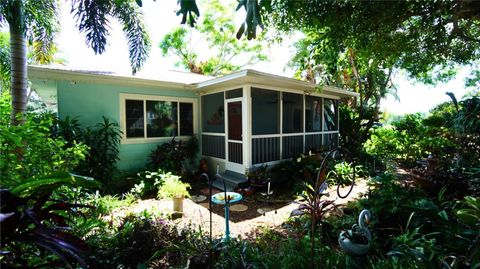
[243, 223]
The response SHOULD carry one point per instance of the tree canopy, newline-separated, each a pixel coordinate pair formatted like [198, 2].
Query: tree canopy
[424, 38]
[217, 31]
[358, 44]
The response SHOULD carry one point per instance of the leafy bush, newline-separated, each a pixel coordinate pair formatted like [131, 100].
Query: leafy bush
[147, 185]
[34, 226]
[342, 173]
[143, 241]
[408, 140]
[407, 224]
[171, 186]
[30, 149]
[171, 156]
[103, 140]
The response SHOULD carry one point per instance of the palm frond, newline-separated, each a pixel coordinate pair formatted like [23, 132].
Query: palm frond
[189, 11]
[135, 31]
[42, 18]
[92, 19]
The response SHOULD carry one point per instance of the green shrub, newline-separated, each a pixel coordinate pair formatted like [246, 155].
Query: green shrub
[144, 241]
[103, 140]
[342, 173]
[172, 156]
[35, 225]
[148, 185]
[30, 149]
[171, 186]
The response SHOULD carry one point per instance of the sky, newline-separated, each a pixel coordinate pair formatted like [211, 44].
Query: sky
[160, 18]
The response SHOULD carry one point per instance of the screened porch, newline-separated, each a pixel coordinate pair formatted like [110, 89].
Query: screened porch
[251, 125]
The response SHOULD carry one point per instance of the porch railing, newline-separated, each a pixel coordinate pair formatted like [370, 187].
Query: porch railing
[213, 145]
[269, 148]
[265, 149]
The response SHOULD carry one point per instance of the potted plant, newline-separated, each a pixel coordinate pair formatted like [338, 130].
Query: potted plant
[172, 187]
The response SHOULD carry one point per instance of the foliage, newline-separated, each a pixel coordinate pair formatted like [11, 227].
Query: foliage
[170, 186]
[4, 62]
[362, 52]
[272, 249]
[149, 182]
[144, 241]
[217, 29]
[31, 150]
[342, 173]
[424, 39]
[409, 224]
[92, 19]
[103, 140]
[408, 140]
[172, 155]
[35, 226]
[470, 216]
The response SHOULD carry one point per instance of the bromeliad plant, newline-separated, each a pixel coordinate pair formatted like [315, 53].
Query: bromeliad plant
[311, 203]
[35, 227]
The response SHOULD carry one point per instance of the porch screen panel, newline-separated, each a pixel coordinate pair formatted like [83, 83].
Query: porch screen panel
[265, 149]
[134, 118]
[213, 146]
[330, 115]
[213, 110]
[313, 114]
[162, 119]
[330, 141]
[292, 146]
[265, 112]
[313, 142]
[292, 113]
[186, 119]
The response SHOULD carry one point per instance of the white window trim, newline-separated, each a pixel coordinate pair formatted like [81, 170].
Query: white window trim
[140, 97]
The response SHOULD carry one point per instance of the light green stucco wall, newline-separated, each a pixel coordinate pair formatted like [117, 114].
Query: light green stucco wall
[88, 102]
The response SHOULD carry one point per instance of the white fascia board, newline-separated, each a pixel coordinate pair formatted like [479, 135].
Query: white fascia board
[42, 73]
[339, 92]
[223, 79]
[261, 78]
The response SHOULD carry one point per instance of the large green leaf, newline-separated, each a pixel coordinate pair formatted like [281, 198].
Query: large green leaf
[43, 185]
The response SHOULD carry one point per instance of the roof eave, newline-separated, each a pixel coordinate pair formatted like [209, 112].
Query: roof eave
[37, 72]
[248, 75]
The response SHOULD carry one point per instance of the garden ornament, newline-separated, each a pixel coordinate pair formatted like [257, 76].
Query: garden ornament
[356, 241]
[226, 198]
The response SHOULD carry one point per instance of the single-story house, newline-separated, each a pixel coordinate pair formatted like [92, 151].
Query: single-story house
[241, 120]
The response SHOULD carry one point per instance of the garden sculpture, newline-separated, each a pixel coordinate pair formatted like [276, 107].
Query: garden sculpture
[356, 241]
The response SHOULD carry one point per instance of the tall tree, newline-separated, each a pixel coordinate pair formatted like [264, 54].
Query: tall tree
[425, 38]
[217, 31]
[37, 20]
[358, 44]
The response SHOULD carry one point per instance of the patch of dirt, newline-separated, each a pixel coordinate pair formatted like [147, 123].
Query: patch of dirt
[243, 224]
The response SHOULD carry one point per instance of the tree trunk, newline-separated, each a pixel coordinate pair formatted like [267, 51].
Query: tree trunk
[18, 57]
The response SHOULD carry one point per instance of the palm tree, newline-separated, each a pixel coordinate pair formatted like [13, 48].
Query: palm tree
[36, 21]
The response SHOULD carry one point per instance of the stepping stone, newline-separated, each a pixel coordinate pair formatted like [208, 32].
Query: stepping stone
[198, 198]
[264, 210]
[238, 208]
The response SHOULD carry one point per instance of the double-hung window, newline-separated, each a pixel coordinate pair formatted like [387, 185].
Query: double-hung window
[154, 117]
